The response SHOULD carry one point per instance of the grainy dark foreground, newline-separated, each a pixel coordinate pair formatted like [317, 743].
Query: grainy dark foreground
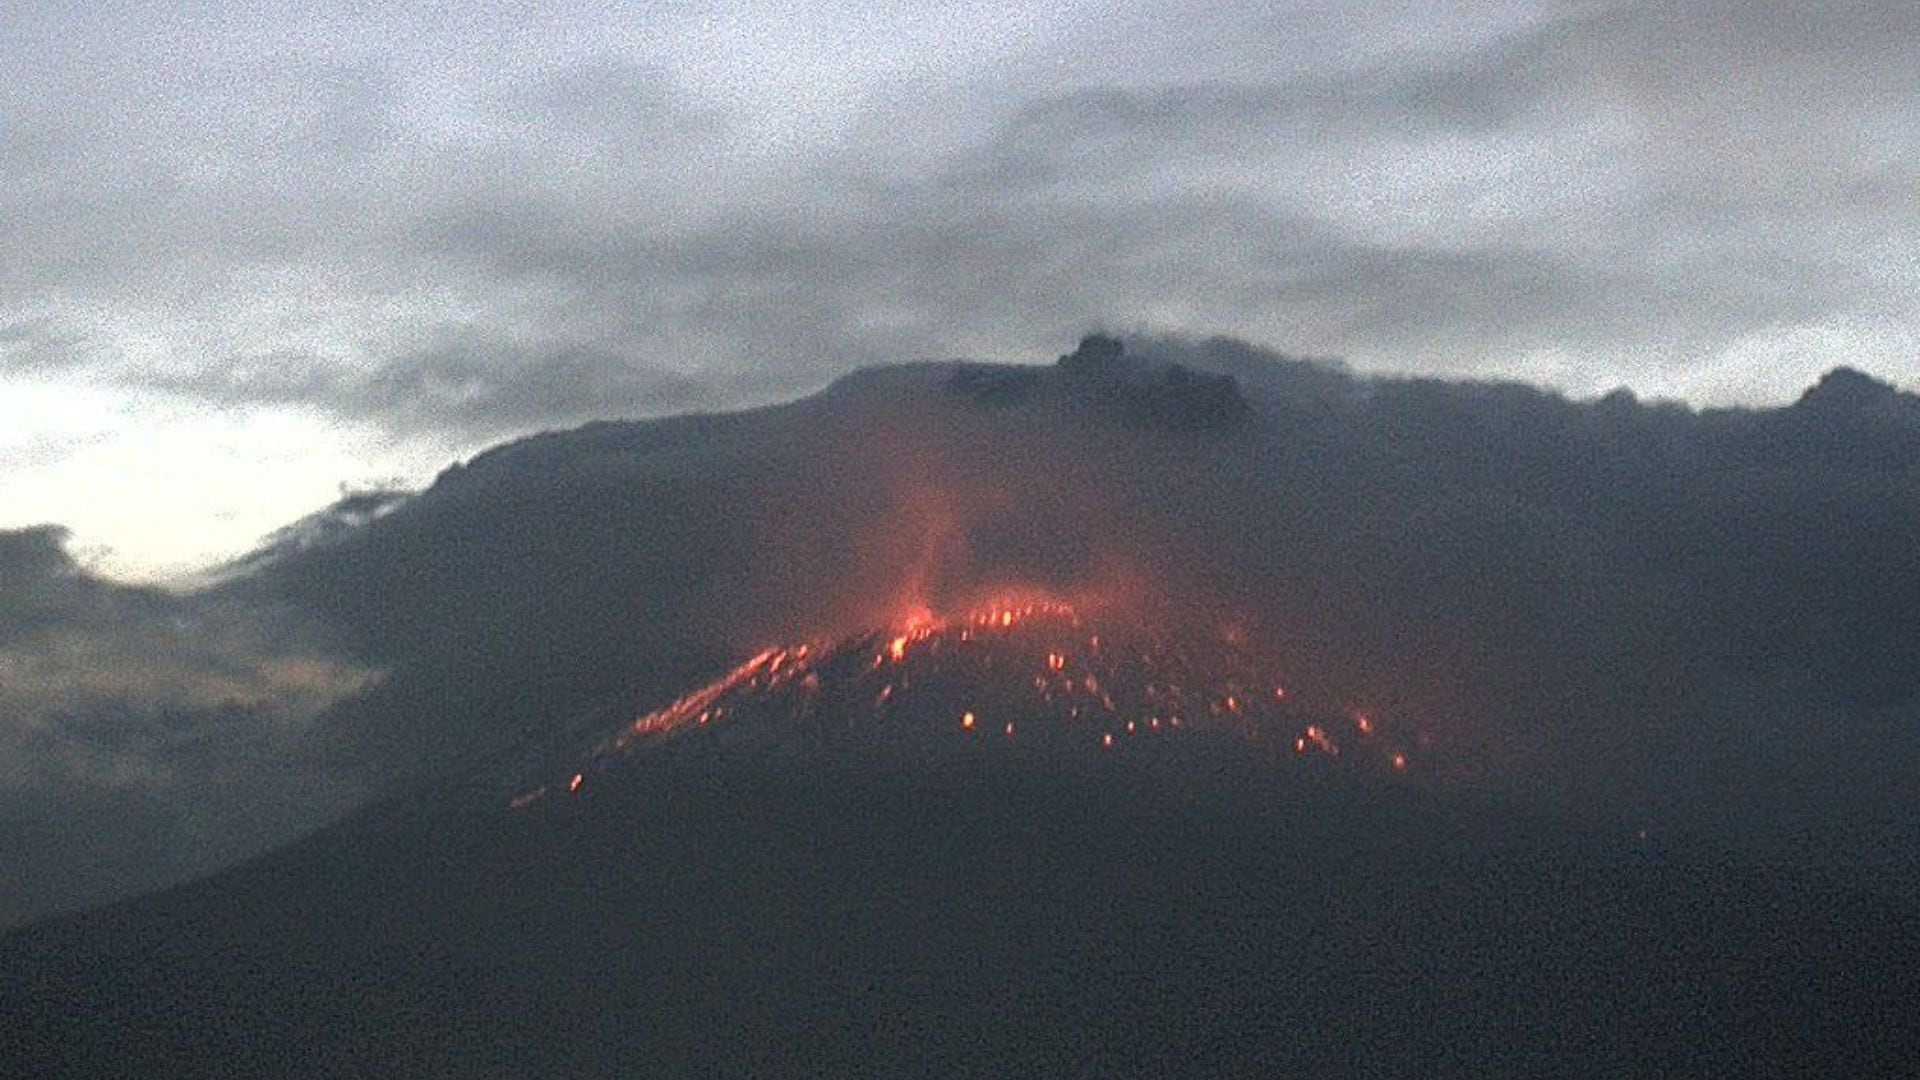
[969, 920]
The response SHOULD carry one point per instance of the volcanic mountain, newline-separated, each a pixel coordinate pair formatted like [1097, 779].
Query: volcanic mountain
[1025, 840]
[1121, 718]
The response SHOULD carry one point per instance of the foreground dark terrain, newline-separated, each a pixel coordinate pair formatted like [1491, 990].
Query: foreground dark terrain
[1177, 913]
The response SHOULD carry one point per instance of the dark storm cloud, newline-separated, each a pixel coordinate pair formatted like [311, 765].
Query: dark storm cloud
[324, 214]
[145, 736]
[1704, 158]
[1634, 188]
[479, 388]
[1207, 203]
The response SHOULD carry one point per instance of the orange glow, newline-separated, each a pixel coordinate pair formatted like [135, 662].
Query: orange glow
[1318, 736]
[920, 617]
[765, 671]
[1147, 678]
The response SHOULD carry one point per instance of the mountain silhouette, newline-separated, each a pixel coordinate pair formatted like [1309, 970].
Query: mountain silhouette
[1022, 841]
[1175, 709]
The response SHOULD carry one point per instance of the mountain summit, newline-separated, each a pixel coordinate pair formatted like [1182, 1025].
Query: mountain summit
[1845, 391]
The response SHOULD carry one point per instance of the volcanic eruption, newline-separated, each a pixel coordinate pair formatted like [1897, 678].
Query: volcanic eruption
[1022, 678]
[1114, 719]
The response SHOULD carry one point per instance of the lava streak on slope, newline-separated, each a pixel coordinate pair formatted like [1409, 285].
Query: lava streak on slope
[1032, 674]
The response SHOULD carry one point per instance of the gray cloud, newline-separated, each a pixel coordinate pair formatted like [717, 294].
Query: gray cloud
[1640, 190]
[146, 736]
[476, 387]
[35, 346]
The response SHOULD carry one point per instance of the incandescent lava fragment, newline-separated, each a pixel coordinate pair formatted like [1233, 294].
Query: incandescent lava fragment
[1063, 680]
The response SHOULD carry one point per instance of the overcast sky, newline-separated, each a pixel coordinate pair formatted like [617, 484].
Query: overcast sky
[253, 252]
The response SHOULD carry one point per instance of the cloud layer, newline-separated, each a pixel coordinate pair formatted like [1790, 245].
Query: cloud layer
[146, 736]
[446, 233]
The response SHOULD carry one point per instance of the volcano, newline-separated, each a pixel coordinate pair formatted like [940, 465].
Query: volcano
[1110, 720]
[1023, 840]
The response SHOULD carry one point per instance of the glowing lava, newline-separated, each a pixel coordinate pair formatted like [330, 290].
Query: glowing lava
[1033, 665]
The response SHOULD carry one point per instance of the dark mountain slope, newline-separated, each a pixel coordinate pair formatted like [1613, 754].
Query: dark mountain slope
[1148, 916]
[1033, 841]
[1699, 621]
